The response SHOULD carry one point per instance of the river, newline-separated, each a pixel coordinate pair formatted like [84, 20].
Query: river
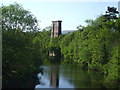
[68, 76]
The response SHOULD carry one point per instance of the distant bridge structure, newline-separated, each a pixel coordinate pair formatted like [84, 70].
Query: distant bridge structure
[56, 30]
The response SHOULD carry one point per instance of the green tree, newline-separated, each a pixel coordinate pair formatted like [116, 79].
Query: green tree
[20, 56]
[111, 13]
[41, 42]
[15, 16]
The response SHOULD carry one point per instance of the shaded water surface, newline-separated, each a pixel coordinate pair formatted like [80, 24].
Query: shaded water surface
[65, 76]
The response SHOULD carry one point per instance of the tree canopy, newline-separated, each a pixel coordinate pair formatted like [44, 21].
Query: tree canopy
[111, 13]
[15, 16]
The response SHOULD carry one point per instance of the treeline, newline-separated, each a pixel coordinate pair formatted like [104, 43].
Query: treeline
[22, 47]
[95, 46]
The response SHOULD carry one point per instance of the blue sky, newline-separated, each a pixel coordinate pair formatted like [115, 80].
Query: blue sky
[72, 14]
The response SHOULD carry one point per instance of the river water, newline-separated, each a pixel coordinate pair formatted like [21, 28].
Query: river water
[68, 76]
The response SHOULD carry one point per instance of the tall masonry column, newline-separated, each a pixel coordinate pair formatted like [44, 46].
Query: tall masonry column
[56, 31]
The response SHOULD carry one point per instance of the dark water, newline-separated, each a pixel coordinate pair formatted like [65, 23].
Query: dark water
[65, 76]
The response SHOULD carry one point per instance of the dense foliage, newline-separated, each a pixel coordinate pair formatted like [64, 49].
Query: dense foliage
[25, 48]
[15, 16]
[96, 47]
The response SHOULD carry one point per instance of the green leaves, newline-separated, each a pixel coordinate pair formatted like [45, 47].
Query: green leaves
[22, 51]
[96, 45]
[111, 13]
[15, 17]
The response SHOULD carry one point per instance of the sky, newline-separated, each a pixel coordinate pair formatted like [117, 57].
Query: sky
[72, 12]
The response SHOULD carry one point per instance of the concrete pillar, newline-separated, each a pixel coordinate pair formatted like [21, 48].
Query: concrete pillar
[56, 31]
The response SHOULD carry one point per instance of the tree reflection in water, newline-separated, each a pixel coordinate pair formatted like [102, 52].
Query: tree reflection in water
[53, 77]
[67, 76]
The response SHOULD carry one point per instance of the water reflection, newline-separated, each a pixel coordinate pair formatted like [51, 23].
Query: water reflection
[51, 78]
[54, 82]
[58, 76]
